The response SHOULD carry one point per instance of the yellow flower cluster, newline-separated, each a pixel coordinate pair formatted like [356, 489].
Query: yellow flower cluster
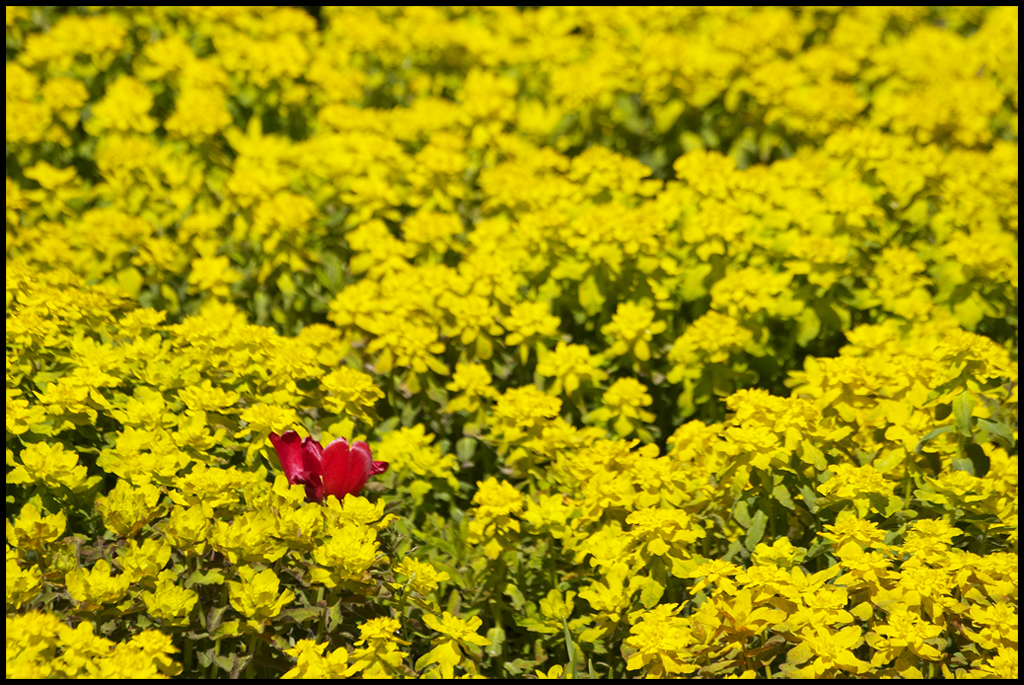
[689, 336]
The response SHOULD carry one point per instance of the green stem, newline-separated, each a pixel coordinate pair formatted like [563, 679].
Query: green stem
[187, 668]
[216, 643]
[906, 483]
[496, 614]
[322, 628]
[403, 600]
[254, 645]
[766, 484]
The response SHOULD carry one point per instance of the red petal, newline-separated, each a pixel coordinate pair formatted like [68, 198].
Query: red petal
[378, 467]
[289, 454]
[312, 456]
[315, 491]
[345, 469]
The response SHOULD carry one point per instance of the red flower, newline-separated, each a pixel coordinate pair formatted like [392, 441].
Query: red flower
[338, 470]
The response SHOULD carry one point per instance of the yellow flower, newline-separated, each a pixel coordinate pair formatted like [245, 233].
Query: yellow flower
[529, 321]
[521, 412]
[472, 319]
[348, 554]
[311, 662]
[632, 328]
[474, 382]
[570, 364]
[411, 451]
[830, 650]
[711, 339]
[853, 529]
[623, 404]
[200, 113]
[662, 642]
[998, 625]
[423, 577]
[51, 465]
[169, 602]
[33, 530]
[123, 109]
[255, 596]
[904, 630]
[447, 652]
[864, 486]
[432, 230]
[377, 654]
[351, 393]
[95, 587]
[492, 522]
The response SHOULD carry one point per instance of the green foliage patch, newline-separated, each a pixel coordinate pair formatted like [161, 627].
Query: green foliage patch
[689, 337]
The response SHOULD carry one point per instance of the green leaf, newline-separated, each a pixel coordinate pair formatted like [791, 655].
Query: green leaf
[240, 662]
[130, 280]
[484, 347]
[781, 495]
[440, 543]
[570, 648]
[980, 462]
[453, 572]
[229, 629]
[889, 461]
[651, 592]
[437, 394]
[497, 637]
[741, 514]
[963, 407]
[173, 304]
[893, 505]
[214, 618]
[198, 578]
[207, 657]
[810, 454]
[591, 299]
[756, 530]
[733, 550]
[808, 327]
[717, 667]
[286, 285]
[513, 592]
[810, 497]
[334, 617]
[963, 464]
[512, 667]
[300, 615]
[465, 448]
[387, 425]
[454, 602]
[827, 314]
[693, 288]
[1000, 430]
[799, 654]
[933, 434]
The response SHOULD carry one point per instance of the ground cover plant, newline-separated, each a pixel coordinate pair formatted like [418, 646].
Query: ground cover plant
[635, 342]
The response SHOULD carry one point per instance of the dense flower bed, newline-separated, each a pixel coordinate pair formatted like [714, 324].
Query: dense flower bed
[689, 338]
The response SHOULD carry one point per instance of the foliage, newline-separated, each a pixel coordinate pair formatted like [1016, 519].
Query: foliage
[689, 336]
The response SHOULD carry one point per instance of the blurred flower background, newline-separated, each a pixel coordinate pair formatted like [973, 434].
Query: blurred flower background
[689, 335]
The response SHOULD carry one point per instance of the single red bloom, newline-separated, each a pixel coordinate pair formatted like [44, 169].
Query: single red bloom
[338, 470]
